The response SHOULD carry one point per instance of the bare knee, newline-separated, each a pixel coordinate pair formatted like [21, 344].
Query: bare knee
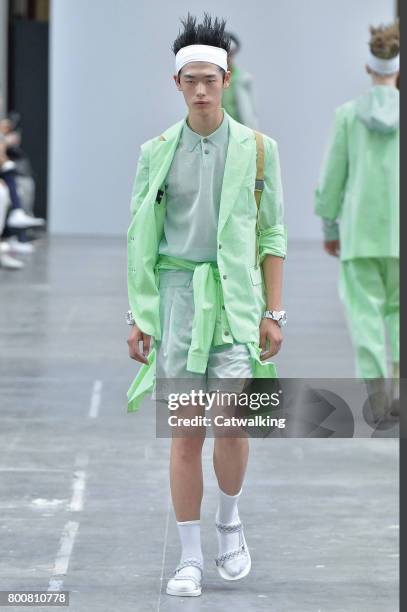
[229, 444]
[187, 449]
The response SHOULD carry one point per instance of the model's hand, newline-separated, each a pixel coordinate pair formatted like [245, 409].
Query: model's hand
[5, 126]
[13, 139]
[332, 247]
[136, 336]
[270, 331]
[3, 153]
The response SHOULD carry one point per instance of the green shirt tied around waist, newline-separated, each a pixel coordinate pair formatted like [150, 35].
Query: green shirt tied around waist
[210, 327]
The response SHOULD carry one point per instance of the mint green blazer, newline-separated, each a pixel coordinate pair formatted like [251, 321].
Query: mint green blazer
[242, 280]
[359, 180]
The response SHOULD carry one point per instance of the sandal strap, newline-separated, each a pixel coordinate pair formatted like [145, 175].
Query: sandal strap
[196, 582]
[242, 551]
[188, 563]
[229, 527]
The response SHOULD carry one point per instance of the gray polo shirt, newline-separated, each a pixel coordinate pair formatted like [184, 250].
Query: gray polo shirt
[193, 187]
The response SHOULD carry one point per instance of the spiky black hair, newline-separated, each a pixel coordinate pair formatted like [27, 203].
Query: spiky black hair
[211, 31]
[235, 40]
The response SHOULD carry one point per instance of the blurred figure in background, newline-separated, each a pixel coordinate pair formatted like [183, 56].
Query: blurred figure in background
[359, 186]
[17, 190]
[238, 98]
[10, 127]
[6, 260]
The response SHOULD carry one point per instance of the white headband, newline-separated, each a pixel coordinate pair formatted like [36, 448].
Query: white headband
[201, 53]
[383, 66]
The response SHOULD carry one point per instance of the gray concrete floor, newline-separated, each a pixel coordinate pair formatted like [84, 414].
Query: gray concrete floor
[84, 492]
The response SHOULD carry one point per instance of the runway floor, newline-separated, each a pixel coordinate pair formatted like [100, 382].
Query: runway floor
[84, 496]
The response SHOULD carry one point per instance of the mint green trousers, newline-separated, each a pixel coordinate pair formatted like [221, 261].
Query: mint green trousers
[369, 290]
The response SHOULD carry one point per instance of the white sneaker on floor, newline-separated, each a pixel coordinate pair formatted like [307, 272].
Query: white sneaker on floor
[6, 261]
[20, 247]
[4, 247]
[234, 564]
[186, 581]
[18, 219]
[36, 221]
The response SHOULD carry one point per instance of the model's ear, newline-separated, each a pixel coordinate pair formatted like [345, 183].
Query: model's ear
[368, 69]
[177, 81]
[226, 79]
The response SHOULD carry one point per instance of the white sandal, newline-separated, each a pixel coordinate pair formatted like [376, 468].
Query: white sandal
[193, 586]
[242, 551]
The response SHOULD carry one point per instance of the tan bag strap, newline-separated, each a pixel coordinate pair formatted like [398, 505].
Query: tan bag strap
[162, 137]
[259, 185]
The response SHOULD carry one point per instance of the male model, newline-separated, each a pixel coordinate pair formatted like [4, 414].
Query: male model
[359, 185]
[205, 257]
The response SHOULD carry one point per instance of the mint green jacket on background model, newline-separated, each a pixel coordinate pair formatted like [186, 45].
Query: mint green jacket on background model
[359, 182]
[239, 266]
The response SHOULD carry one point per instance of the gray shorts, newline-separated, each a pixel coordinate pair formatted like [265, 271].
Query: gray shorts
[226, 361]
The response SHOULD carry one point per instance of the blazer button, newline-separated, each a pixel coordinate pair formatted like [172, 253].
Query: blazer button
[223, 307]
[226, 333]
[224, 276]
[204, 140]
[220, 246]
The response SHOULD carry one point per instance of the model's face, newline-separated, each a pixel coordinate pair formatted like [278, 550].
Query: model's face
[202, 85]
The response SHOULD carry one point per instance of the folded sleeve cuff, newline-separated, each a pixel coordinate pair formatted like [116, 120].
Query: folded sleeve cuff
[330, 229]
[273, 241]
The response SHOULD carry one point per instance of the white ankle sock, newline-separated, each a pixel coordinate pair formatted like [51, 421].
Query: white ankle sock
[227, 509]
[227, 513]
[190, 536]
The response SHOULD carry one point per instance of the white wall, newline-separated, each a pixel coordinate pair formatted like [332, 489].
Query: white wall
[111, 89]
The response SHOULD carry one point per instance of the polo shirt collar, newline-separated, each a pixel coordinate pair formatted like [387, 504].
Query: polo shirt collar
[190, 138]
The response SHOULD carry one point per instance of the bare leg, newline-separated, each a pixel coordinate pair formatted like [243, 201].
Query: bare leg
[395, 390]
[186, 479]
[230, 456]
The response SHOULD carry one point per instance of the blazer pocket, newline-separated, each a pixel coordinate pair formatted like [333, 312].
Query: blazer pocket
[256, 275]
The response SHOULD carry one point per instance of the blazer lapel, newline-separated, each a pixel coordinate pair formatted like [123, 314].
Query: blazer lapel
[241, 150]
[162, 154]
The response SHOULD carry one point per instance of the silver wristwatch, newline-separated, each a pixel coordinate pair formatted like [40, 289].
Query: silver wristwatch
[277, 315]
[129, 318]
